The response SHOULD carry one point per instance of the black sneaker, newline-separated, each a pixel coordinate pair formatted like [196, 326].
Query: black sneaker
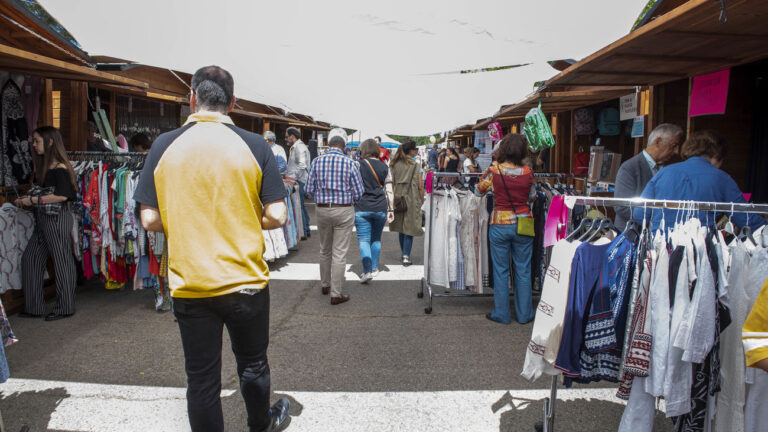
[279, 416]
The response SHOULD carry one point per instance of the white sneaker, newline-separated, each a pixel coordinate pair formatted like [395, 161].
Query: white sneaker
[374, 273]
[365, 278]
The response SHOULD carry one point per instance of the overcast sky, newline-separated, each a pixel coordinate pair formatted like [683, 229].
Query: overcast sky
[361, 64]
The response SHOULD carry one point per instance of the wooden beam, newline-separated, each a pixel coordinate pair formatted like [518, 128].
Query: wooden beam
[112, 112]
[734, 37]
[47, 106]
[686, 59]
[572, 146]
[25, 60]
[633, 73]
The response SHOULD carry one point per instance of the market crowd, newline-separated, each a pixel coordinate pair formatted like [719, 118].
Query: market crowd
[225, 284]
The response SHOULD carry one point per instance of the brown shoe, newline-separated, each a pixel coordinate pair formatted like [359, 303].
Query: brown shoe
[326, 290]
[339, 300]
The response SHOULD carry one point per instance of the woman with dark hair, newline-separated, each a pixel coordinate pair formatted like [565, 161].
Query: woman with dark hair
[374, 209]
[409, 186]
[53, 229]
[512, 184]
[451, 162]
[698, 178]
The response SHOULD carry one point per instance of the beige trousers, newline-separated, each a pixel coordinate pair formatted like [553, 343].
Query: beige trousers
[334, 225]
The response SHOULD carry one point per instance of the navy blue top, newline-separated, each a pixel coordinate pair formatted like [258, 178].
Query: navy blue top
[432, 158]
[697, 180]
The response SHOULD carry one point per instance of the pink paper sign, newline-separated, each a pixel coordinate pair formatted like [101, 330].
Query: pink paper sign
[709, 93]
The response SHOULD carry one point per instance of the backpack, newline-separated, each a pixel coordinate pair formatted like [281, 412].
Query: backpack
[584, 121]
[608, 122]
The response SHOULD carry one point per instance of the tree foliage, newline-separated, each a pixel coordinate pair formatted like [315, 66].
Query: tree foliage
[419, 140]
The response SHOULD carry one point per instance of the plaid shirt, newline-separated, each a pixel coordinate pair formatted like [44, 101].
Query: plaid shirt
[335, 179]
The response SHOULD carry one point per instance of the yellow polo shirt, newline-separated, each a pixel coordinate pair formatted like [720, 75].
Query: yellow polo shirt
[209, 179]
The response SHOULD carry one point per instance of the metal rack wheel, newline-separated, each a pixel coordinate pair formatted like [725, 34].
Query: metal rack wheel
[428, 310]
[420, 294]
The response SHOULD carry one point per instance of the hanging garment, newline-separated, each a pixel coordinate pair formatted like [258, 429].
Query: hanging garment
[468, 204]
[16, 153]
[550, 313]
[659, 309]
[731, 401]
[585, 272]
[16, 228]
[441, 246]
[756, 410]
[557, 221]
[601, 355]
[483, 257]
[678, 378]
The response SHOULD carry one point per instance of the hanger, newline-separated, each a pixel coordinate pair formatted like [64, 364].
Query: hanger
[746, 234]
[582, 225]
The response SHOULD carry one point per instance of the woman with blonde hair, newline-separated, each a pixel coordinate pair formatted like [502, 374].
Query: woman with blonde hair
[53, 228]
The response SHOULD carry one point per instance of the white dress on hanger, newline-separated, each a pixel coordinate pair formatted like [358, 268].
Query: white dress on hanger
[550, 313]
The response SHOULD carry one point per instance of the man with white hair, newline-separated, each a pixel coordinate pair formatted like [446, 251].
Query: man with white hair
[663, 144]
[277, 150]
[335, 182]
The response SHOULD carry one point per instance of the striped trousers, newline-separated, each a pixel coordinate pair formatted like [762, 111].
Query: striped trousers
[52, 237]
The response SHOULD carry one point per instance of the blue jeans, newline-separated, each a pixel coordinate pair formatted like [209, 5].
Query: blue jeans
[304, 213]
[369, 227]
[505, 242]
[406, 243]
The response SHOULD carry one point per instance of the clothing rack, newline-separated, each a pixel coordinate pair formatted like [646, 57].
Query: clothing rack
[425, 280]
[105, 155]
[571, 200]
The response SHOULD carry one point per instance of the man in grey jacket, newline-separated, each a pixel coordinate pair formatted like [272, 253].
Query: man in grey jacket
[663, 144]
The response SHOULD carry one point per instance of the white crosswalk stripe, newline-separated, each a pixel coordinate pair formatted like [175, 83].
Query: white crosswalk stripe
[311, 271]
[101, 407]
[314, 228]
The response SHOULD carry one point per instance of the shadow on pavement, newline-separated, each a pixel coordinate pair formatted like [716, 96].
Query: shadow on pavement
[572, 415]
[36, 409]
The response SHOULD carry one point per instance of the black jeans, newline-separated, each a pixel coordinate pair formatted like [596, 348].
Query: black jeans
[201, 323]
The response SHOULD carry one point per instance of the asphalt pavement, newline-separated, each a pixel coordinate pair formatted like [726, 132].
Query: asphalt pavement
[376, 363]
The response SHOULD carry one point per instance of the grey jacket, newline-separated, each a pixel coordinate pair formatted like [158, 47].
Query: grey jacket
[631, 179]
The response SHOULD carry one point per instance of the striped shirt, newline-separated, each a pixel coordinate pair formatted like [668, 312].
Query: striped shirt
[335, 179]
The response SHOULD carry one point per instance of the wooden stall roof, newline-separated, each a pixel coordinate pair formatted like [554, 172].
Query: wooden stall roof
[686, 41]
[21, 29]
[555, 100]
[16, 60]
[161, 81]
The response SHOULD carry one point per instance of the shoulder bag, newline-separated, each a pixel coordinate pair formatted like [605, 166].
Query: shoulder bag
[401, 201]
[374, 172]
[524, 224]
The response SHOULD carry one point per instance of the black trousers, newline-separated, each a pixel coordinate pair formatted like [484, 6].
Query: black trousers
[52, 237]
[201, 323]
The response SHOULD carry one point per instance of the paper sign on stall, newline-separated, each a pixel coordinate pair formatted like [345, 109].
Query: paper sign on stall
[628, 107]
[709, 93]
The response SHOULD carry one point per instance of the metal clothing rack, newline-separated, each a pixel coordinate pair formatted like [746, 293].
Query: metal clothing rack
[105, 155]
[425, 280]
[548, 425]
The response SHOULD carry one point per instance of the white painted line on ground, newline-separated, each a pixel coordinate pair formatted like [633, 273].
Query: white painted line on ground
[423, 411]
[311, 271]
[101, 407]
[314, 228]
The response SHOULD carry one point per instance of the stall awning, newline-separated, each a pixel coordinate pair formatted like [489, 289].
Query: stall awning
[16, 60]
[558, 100]
[685, 42]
